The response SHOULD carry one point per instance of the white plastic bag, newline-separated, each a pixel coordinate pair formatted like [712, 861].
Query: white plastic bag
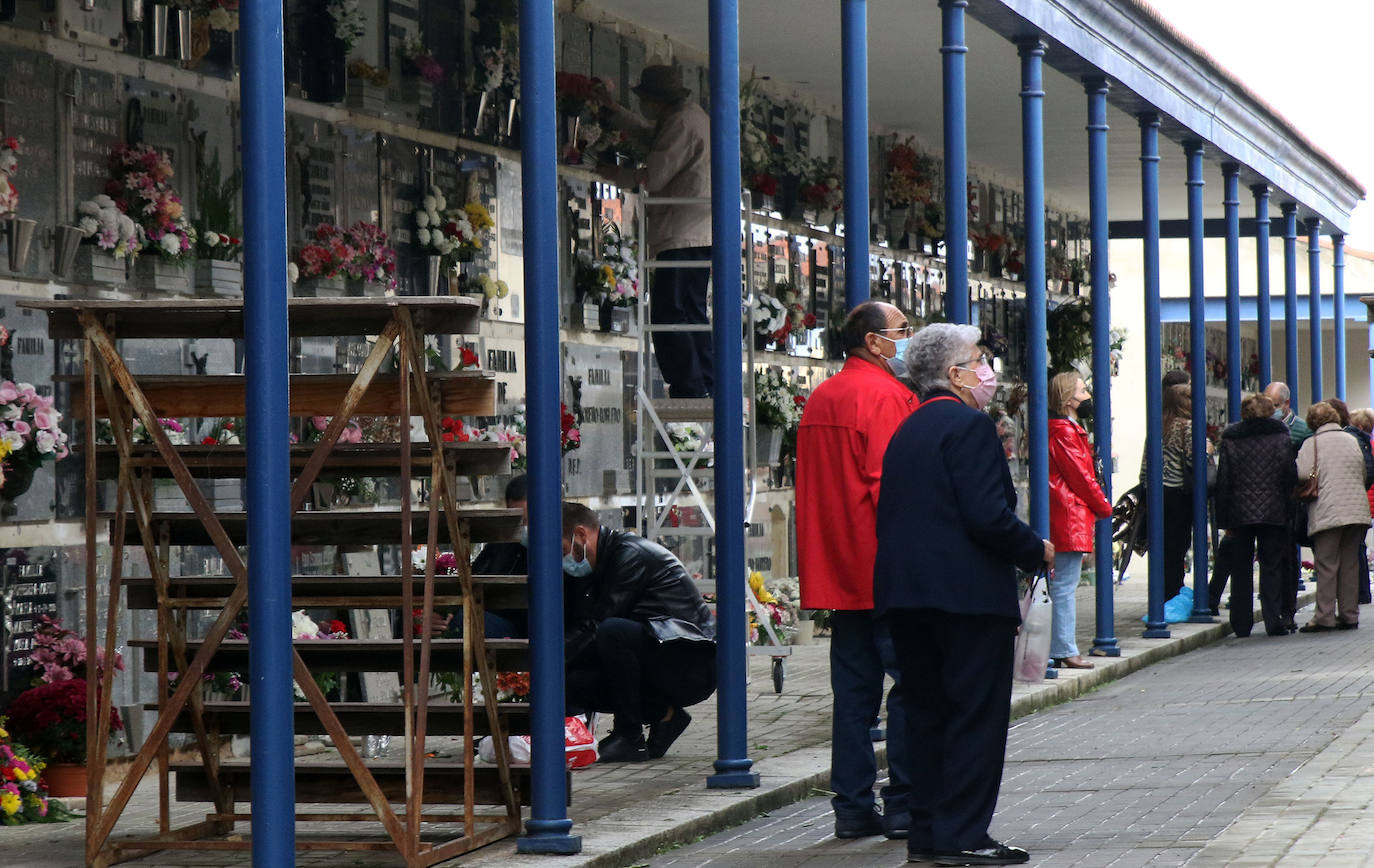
[579, 743]
[1032, 654]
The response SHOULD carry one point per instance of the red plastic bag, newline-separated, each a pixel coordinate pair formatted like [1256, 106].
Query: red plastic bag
[578, 741]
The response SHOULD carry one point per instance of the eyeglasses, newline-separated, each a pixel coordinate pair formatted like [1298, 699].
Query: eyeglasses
[980, 359]
[906, 330]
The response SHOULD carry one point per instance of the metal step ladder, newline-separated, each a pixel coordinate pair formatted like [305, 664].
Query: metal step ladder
[666, 479]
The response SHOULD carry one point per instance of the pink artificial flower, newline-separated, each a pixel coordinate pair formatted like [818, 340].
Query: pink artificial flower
[320, 422]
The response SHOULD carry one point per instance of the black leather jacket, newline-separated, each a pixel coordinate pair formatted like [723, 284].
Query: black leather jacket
[642, 581]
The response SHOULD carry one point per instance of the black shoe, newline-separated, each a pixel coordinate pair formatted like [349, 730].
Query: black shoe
[1347, 625]
[921, 856]
[1314, 627]
[1290, 626]
[663, 733]
[619, 748]
[897, 826]
[995, 853]
[859, 827]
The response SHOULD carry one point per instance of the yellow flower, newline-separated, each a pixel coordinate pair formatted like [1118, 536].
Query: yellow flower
[9, 803]
[4, 733]
[4, 453]
[760, 592]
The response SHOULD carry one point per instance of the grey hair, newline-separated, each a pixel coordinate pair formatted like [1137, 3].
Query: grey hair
[934, 349]
[1280, 391]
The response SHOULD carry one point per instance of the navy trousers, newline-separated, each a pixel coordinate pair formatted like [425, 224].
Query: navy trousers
[860, 653]
[956, 680]
[677, 297]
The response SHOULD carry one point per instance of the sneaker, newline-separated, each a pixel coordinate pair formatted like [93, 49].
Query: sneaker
[992, 853]
[620, 748]
[663, 733]
[859, 827]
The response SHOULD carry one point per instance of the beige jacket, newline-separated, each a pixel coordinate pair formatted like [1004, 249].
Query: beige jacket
[1341, 498]
[679, 164]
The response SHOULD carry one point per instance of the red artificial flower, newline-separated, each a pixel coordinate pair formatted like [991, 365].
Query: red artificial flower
[809, 320]
[208, 441]
[468, 359]
[337, 626]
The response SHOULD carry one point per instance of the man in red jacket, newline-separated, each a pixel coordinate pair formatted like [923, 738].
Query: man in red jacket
[844, 432]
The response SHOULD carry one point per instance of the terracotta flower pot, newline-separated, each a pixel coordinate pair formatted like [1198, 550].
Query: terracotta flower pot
[65, 780]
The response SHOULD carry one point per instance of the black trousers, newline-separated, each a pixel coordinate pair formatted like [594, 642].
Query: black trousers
[677, 297]
[956, 683]
[1223, 562]
[860, 654]
[1273, 546]
[626, 671]
[1178, 537]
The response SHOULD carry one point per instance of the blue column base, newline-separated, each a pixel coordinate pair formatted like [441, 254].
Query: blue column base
[1105, 648]
[1156, 631]
[1051, 673]
[733, 775]
[548, 838]
[1201, 616]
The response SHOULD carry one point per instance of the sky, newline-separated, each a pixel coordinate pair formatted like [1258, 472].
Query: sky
[1310, 61]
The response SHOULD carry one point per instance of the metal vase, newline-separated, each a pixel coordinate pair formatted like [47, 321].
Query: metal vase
[18, 235]
[435, 271]
[183, 34]
[133, 11]
[161, 13]
[67, 241]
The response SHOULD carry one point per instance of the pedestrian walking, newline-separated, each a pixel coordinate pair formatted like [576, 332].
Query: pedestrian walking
[1337, 520]
[1076, 502]
[1255, 478]
[843, 434]
[949, 543]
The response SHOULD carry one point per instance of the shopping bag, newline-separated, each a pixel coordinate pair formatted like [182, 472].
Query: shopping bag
[1032, 652]
[1180, 608]
[579, 744]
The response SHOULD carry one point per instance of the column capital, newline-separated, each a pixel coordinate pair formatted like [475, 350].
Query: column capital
[1261, 191]
[1096, 83]
[1031, 45]
[1313, 224]
[1148, 119]
[1229, 168]
[1288, 208]
[1193, 146]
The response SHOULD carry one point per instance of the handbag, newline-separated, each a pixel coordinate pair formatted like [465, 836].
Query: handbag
[1031, 654]
[1306, 491]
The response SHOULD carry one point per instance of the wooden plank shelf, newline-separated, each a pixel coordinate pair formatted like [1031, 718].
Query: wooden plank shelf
[459, 393]
[209, 592]
[330, 782]
[223, 318]
[219, 461]
[334, 526]
[374, 718]
[355, 655]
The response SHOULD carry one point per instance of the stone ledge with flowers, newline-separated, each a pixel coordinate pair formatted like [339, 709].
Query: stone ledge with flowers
[778, 315]
[778, 408]
[609, 286]
[31, 436]
[452, 237]
[140, 185]
[353, 261]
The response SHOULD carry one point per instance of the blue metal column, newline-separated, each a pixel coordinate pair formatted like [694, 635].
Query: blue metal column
[1262, 310]
[1155, 626]
[1197, 332]
[547, 829]
[854, 60]
[1338, 309]
[1314, 303]
[1032, 52]
[1290, 299]
[1104, 643]
[732, 763]
[953, 50]
[267, 376]
[1230, 173]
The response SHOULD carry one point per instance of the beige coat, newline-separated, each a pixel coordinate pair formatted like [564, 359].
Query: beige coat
[679, 165]
[1341, 498]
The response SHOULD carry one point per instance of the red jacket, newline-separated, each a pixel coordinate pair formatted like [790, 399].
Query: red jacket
[1076, 500]
[844, 432]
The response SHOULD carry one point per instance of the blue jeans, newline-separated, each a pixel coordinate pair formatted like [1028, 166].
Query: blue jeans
[860, 652]
[1068, 567]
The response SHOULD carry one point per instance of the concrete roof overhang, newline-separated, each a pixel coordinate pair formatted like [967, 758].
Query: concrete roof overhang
[1150, 67]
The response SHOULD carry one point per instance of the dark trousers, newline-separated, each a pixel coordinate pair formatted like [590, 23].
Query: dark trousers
[956, 681]
[1178, 537]
[1223, 563]
[1364, 576]
[626, 671]
[678, 296]
[860, 653]
[1288, 585]
[1273, 546]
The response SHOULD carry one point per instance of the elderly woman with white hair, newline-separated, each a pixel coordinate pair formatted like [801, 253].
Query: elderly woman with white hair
[949, 543]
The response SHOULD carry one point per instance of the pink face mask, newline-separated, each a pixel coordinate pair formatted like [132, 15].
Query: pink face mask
[987, 385]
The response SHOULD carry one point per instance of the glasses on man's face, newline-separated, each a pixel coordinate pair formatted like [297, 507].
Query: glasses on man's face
[905, 331]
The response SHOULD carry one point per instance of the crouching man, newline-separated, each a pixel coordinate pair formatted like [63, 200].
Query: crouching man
[641, 641]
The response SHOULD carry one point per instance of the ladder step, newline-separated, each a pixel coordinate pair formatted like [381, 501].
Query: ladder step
[677, 263]
[685, 531]
[677, 200]
[679, 327]
[685, 409]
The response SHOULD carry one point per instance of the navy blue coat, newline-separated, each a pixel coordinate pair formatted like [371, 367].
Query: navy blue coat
[948, 535]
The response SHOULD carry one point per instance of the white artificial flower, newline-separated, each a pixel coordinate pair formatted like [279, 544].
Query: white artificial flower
[219, 18]
[440, 203]
[422, 219]
[45, 441]
[102, 202]
[429, 203]
[88, 226]
[127, 228]
[302, 627]
[212, 238]
[14, 440]
[423, 236]
[293, 272]
[171, 243]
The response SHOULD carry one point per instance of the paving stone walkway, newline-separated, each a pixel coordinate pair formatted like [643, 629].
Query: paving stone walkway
[1250, 752]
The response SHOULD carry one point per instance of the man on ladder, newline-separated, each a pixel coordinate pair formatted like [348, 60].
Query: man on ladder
[678, 166]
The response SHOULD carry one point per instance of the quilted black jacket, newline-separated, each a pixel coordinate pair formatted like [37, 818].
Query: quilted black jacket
[1256, 474]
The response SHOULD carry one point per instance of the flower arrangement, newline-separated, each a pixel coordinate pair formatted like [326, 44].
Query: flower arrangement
[909, 176]
[30, 429]
[224, 432]
[23, 796]
[778, 314]
[759, 163]
[511, 433]
[571, 437]
[222, 15]
[361, 253]
[10, 149]
[1069, 334]
[686, 436]
[933, 220]
[51, 719]
[175, 431]
[139, 184]
[579, 98]
[59, 654]
[988, 240]
[112, 230]
[454, 431]
[455, 234]
[491, 289]
[778, 402]
[226, 684]
[614, 278]
[825, 192]
[304, 627]
[494, 44]
[1118, 344]
[780, 615]
[420, 60]
[375, 76]
[349, 22]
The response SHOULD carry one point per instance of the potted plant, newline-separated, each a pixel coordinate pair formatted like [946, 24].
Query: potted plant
[335, 257]
[140, 184]
[30, 436]
[367, 87]
[777, 409]
[108, 238]
[421, 73]
[218, 245]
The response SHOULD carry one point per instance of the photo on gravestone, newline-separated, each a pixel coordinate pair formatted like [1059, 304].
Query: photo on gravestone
[594, 394]
[28, 113]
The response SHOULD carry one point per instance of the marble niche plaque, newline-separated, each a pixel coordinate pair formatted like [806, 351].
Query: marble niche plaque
[94, 22]
[594, 394]
[28, 100]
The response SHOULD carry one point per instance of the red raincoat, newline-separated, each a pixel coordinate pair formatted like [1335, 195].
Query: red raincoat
[844, 432]
[1076, 501]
